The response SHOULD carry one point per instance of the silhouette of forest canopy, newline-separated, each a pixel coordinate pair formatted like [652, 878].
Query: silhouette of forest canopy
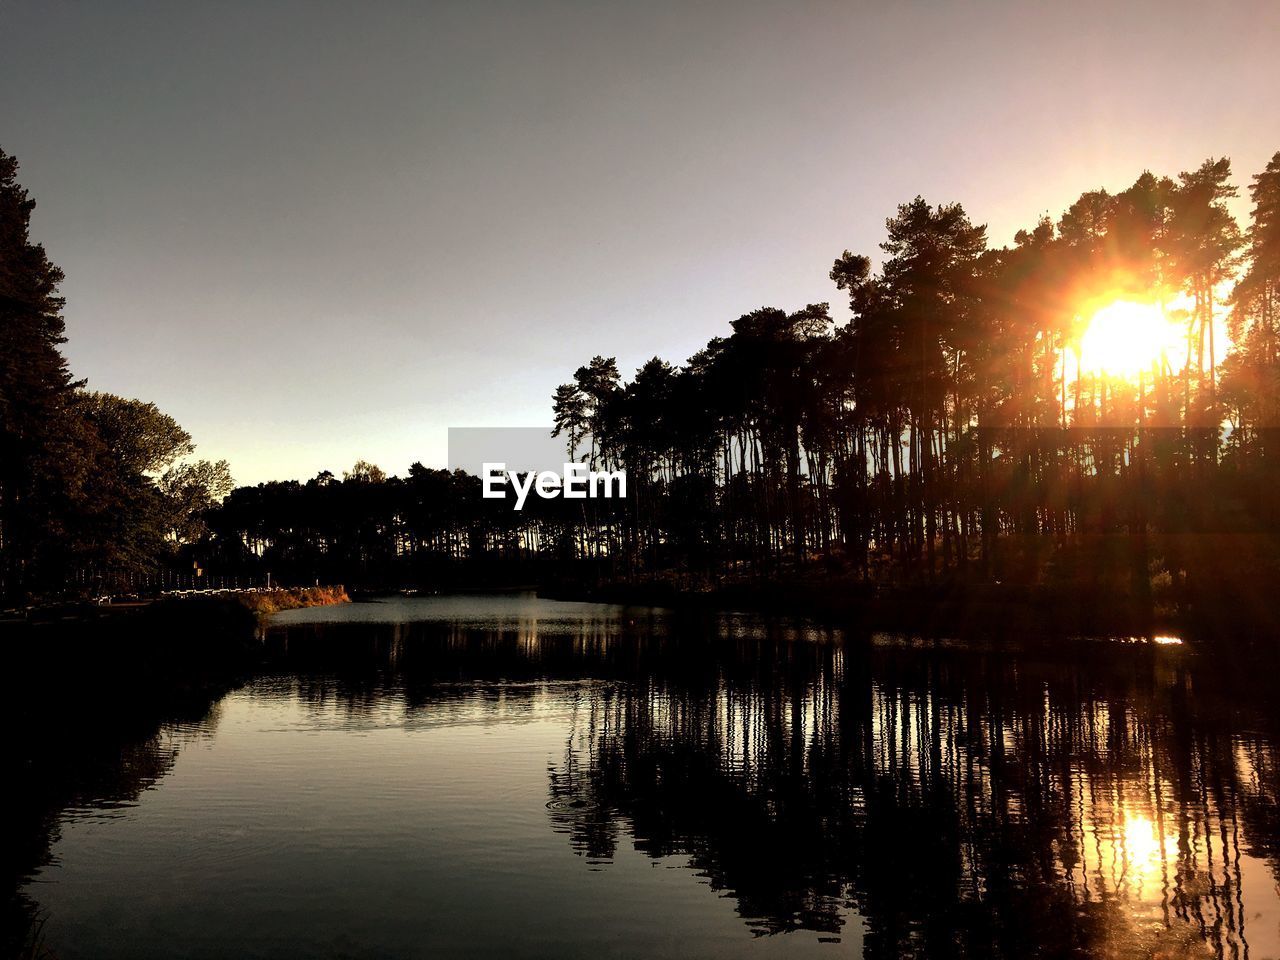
[1096, 403]
[93, 487]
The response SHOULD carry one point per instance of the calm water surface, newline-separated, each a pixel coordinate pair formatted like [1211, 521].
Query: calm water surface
[504, 776]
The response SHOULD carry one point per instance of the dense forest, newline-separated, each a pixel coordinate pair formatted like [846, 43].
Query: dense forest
[1098, 402]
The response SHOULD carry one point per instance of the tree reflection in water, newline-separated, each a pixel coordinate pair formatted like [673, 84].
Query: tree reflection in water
[964, 803]
[1083, 800]
[85, 757]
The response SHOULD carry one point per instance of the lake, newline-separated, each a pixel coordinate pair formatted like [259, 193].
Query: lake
[515, 777]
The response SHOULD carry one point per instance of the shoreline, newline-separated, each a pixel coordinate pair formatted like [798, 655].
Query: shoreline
[265, 603]
[151, 647]
[231, 621]
[953, 609]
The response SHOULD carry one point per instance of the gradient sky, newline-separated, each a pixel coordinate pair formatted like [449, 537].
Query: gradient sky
[315, 231]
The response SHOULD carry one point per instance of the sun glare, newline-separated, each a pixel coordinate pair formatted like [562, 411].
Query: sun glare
[1125, 338]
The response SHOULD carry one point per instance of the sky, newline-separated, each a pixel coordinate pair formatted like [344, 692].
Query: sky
[315, 232]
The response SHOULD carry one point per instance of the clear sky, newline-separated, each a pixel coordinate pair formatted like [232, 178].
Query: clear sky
[314, 232]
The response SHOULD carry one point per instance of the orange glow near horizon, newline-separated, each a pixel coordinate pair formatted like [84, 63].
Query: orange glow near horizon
[1122, 338]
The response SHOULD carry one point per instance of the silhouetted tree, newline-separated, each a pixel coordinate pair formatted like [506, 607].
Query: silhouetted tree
[39, 465]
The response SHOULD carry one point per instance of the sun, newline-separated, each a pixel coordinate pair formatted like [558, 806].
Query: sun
[1125, 338]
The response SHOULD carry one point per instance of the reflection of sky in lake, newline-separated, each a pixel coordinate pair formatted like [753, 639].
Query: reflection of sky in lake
[504, 776]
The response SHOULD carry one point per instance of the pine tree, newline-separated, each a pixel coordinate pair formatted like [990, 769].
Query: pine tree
[39, 463]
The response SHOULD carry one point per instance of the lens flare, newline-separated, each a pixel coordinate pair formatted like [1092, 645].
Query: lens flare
[1125, 338]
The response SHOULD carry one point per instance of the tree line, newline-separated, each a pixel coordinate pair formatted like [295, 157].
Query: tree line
[952, 429]
[94, 488]
[950, 426]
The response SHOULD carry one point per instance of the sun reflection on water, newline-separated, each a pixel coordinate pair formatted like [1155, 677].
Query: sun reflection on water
[1144, 852]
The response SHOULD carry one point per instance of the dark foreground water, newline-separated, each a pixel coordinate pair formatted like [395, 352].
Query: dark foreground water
[501, 776]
